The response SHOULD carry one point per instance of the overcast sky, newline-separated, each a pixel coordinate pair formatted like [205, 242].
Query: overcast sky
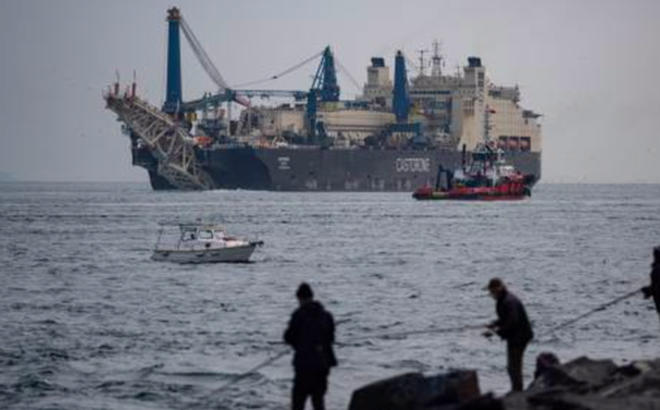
[591, 67]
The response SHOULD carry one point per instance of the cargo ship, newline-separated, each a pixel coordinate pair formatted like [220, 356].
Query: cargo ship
[392, 137]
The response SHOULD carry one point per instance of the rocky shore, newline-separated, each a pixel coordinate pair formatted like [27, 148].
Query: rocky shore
[581, 384]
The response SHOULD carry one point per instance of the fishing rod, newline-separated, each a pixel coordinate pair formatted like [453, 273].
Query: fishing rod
[455, 329]
[251, 371]
[261, 365]
[597, 309]
[576, 319]
[353, 340]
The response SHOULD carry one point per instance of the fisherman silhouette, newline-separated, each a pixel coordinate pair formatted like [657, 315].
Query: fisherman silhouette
[311, 333]
[513, 326]
[653, 290]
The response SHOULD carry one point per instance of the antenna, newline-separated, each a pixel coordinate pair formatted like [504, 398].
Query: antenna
[134, 84]
[437, 60]
[422, 62]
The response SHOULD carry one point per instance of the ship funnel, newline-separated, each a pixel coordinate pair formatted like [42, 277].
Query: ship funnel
[377, 62]
[474, 62]
[400, 98]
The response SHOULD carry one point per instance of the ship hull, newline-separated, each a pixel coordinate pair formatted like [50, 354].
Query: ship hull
[314, 169]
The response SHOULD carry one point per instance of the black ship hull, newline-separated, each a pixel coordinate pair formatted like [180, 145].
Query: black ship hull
[314, 169]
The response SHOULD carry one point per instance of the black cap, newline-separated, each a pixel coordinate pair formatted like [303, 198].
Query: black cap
[494, 283]
[304, 291]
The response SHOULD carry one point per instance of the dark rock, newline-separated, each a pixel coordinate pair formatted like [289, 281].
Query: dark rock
[582, 384]
[579, 374]
[571, 401]
[485, 402]
[586, 384]
[414, 391]
[645, 383]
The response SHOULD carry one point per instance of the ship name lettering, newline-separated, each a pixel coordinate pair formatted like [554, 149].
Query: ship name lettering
[413, 164]
[284, 163]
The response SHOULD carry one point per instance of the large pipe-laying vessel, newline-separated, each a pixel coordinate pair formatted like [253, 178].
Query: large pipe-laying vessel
[393, 137]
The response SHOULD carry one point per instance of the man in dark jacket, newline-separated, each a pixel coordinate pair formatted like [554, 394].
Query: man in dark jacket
[512, 325]
[311, 333]
[653, 290]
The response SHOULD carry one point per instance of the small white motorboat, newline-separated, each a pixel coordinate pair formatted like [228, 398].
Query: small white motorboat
[202, 243]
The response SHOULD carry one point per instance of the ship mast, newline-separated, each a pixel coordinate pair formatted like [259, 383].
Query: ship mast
[436, 60]
[422, 61]
[487, 126]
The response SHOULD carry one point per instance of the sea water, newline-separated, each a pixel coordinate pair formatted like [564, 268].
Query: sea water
[88, 321]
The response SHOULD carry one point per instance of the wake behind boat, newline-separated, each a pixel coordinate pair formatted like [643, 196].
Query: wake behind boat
[203, 243]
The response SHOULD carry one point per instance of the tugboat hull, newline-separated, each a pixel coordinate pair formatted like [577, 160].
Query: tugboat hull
[448, 196]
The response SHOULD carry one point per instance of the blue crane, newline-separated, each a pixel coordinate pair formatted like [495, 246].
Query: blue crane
[173, 93]
[324, 86]
[400, 95]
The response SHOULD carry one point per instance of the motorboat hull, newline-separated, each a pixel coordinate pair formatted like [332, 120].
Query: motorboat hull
[232, 254]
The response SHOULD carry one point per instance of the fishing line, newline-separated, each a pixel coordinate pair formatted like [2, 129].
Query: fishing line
[353, 340]
[597, 309]
[393, 335]
[251, 371]
[261, 365]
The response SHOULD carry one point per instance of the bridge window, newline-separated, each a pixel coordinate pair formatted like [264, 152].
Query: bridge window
[502, 142]
[514, 143]
[525, 144]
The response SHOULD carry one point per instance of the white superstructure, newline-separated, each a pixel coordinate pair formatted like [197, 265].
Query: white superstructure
[453, 110]
[464, 108]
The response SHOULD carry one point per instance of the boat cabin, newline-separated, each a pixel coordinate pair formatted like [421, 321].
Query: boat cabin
[204, 233]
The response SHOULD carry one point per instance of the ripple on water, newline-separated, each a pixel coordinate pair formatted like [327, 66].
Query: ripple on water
[89, 322]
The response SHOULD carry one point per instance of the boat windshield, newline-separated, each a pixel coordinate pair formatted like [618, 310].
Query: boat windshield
[205, 234]
[188, 235]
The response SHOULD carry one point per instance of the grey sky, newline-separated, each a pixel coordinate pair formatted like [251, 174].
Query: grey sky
[591, 67]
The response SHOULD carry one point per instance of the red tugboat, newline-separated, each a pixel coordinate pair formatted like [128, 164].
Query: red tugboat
[487, 178]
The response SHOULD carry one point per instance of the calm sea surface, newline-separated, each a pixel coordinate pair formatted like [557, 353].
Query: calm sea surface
[88, 321]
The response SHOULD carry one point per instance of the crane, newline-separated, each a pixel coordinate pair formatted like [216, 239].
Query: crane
[324, 87]
[174, 94]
